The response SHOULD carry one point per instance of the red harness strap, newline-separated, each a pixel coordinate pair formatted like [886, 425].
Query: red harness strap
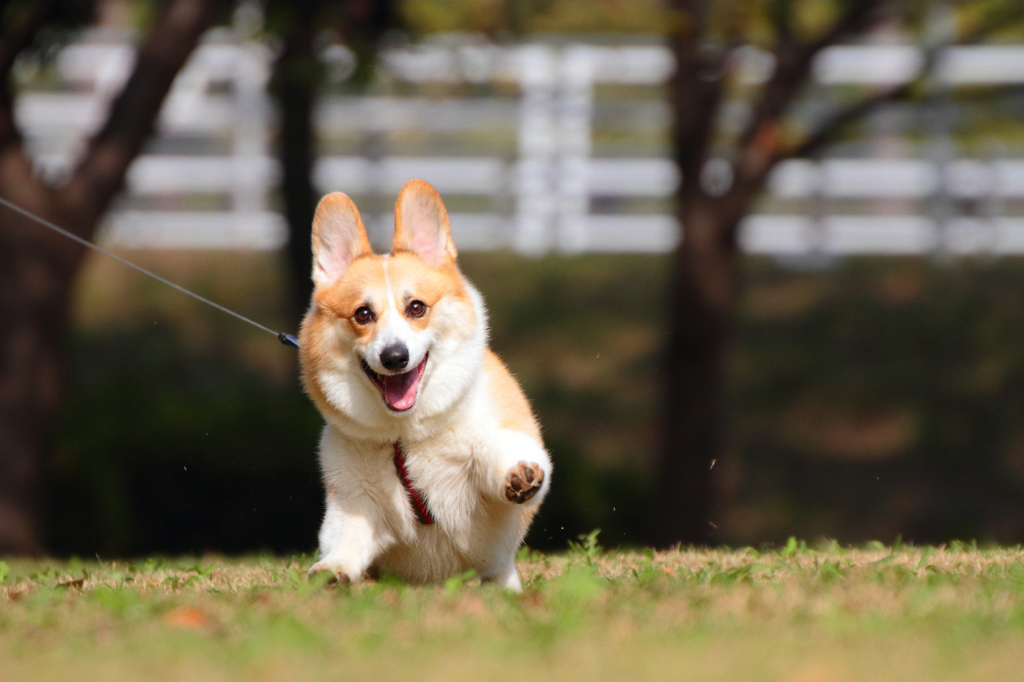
[418, 505]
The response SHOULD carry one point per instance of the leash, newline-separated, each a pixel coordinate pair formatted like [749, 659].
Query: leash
[286, 339]
[419, 506]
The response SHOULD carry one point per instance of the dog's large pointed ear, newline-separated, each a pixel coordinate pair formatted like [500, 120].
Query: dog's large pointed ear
[421, 224]
[338, 238]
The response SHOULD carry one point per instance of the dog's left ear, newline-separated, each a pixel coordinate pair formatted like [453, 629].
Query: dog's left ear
[421, 224]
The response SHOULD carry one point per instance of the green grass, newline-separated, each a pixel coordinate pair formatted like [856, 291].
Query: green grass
[793, 614]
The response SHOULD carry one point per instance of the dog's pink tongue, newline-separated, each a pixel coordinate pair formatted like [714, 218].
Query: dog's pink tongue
[400, 389]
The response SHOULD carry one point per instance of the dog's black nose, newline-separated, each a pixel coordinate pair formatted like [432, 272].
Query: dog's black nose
[395, 357]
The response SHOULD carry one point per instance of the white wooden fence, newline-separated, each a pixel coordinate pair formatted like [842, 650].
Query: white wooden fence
[219, 196]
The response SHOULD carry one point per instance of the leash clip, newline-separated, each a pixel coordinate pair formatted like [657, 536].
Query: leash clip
[288, 340]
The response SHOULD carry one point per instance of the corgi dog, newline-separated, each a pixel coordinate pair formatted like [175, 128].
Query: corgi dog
[432, 460]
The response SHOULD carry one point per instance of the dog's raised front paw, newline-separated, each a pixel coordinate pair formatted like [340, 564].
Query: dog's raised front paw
[523, 481]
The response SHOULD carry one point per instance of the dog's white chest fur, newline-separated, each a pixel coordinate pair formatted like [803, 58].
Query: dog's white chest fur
[463, 527]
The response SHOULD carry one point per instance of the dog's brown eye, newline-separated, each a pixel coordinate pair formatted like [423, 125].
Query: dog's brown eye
[363, 315]
[417, 308]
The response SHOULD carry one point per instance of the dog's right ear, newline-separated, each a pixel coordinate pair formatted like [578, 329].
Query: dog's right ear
[338, 238]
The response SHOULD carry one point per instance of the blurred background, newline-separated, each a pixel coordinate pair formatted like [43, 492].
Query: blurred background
[756, 264]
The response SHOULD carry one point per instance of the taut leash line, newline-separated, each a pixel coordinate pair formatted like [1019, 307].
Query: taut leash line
[286, 339]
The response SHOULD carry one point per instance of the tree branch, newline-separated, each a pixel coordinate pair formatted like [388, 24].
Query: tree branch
[993, 19]
[758, 146]
[793, 63]
[23, 32]
[133, 114]
[815, 141]
[765, 148]
[782, 17]
[16, 39]
[696, 86]
[825, 133]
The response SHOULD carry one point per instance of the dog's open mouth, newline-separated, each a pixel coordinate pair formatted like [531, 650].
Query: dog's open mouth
[399, 390]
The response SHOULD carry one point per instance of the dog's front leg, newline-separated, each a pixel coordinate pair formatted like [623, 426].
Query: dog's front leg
[350, 539]
[520, 472]
[516, 475]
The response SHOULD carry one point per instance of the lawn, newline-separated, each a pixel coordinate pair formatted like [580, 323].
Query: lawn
[791, 614]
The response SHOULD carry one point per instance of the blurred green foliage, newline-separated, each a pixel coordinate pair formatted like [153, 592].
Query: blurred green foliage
[868, 398]
[882, 397]
[161, 450]
[498, 17]
[759, 22]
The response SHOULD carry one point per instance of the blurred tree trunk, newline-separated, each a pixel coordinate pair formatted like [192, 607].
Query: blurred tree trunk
[718, 188]
[35, 280]
[38, 267]
[701, 292]
[703, 286]
[294, 85]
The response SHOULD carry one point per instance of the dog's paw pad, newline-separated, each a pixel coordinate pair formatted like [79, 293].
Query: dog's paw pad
[523, 481]
[333, 575]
